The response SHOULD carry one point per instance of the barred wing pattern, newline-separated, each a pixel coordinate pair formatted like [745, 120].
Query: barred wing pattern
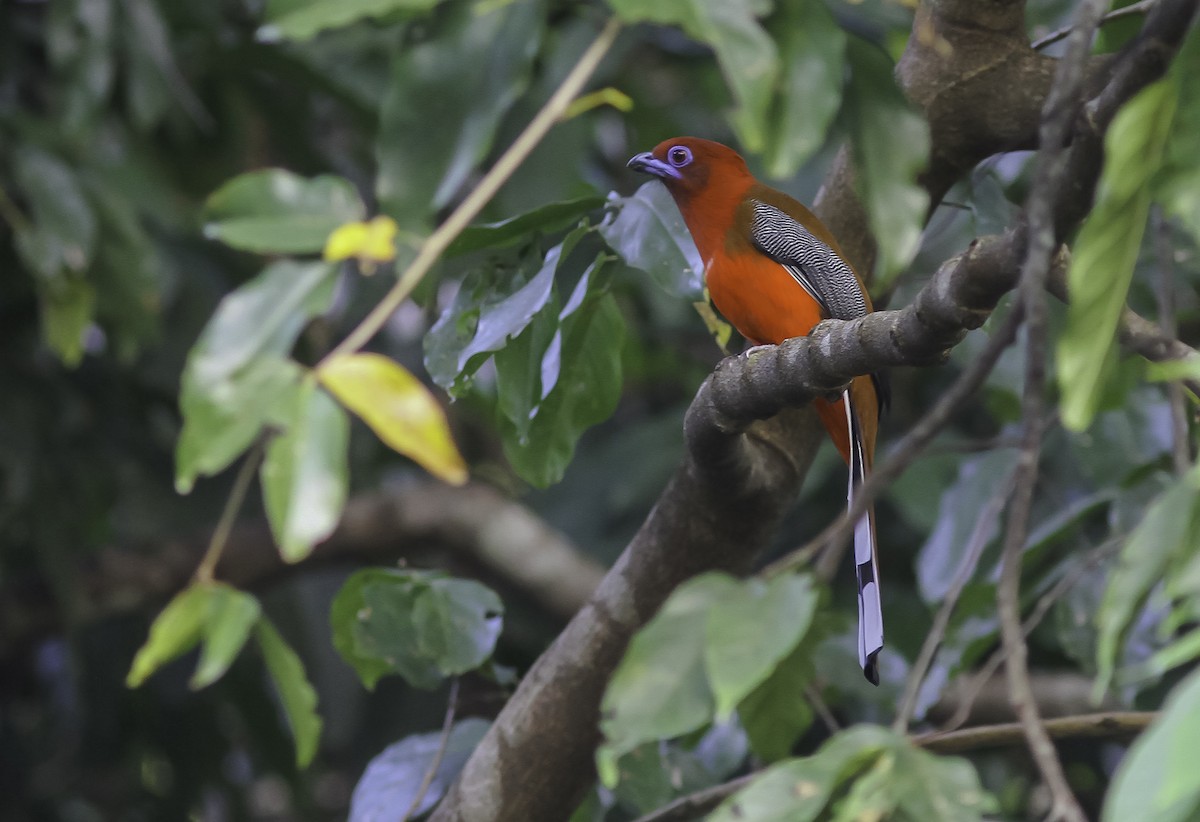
[815, 266]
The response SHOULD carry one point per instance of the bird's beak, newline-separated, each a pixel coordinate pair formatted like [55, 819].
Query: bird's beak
[647, 163]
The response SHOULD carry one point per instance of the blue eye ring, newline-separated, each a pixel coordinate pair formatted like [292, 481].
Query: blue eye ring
[679, 156]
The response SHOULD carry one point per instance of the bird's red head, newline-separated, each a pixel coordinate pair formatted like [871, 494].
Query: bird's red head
[709, 182]
[690, 165]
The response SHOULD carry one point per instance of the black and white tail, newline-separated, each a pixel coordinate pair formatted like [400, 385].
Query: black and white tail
[866, 564]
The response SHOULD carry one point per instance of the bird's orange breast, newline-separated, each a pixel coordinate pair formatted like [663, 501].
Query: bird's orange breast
[759, 297]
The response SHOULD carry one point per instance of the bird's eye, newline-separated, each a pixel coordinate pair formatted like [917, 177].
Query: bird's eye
[679, 156]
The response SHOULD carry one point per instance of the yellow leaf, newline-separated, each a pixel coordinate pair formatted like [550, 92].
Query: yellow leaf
[720, 329]
[398, 408]
[603, 97]
[371, 243]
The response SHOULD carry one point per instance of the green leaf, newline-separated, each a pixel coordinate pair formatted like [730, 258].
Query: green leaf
[775, 714]
[527, 370]
[427, 152]
[647, 232]
[61, 236]
[236, 378]
[660, 689]
[1106, 249]
[1115, 33]
[296, 693]
[585, 393]
[1157, 778]
[303, 20]
[154, 83]
[344, 614]
[211, 612]
[1177, 186]
[67, 309]
[492, 306]
[304, 475]
[128, 274]
[944, 553]
[546, 219]
[798, 790]
[274, 211]
[174, 632]
[221, 420]
[653, 774]
[230, 616]
[812, 49]
[386, 630]
[458, 623]
[1181, 652]
[79, 40]
[739, 656]
[891, 146]
[423, 626]
[914, 784]
[891, 779]
[745, 52]
[399, 409]
[263, 316]
[393, 777]
[1168, 528]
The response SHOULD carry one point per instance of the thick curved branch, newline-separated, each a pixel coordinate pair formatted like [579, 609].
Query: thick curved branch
[1118, 725]
[474, 528]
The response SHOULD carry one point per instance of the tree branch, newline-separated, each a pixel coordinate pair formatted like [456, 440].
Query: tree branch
[1061, 107]
[1121, 725]
[474, 528]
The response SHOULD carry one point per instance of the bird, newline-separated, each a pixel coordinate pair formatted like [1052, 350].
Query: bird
[774, 271]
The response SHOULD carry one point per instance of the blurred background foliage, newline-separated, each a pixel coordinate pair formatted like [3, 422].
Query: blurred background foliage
[119, 119]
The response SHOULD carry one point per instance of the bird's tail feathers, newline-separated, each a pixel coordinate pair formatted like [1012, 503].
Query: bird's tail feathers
[866, 561]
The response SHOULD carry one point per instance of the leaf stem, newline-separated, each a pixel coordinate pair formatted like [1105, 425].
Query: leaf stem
[469, 208]
[436, 762]
[205, 571]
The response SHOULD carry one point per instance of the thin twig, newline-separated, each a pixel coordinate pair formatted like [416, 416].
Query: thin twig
[436, 762]
[695, 805]
[900, 457]
[1164, 293]
[1125, 11]
[469, 208]
[979, 539]
[220, 535]
[1058, 113]
[813, 695]
[1109, 725]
